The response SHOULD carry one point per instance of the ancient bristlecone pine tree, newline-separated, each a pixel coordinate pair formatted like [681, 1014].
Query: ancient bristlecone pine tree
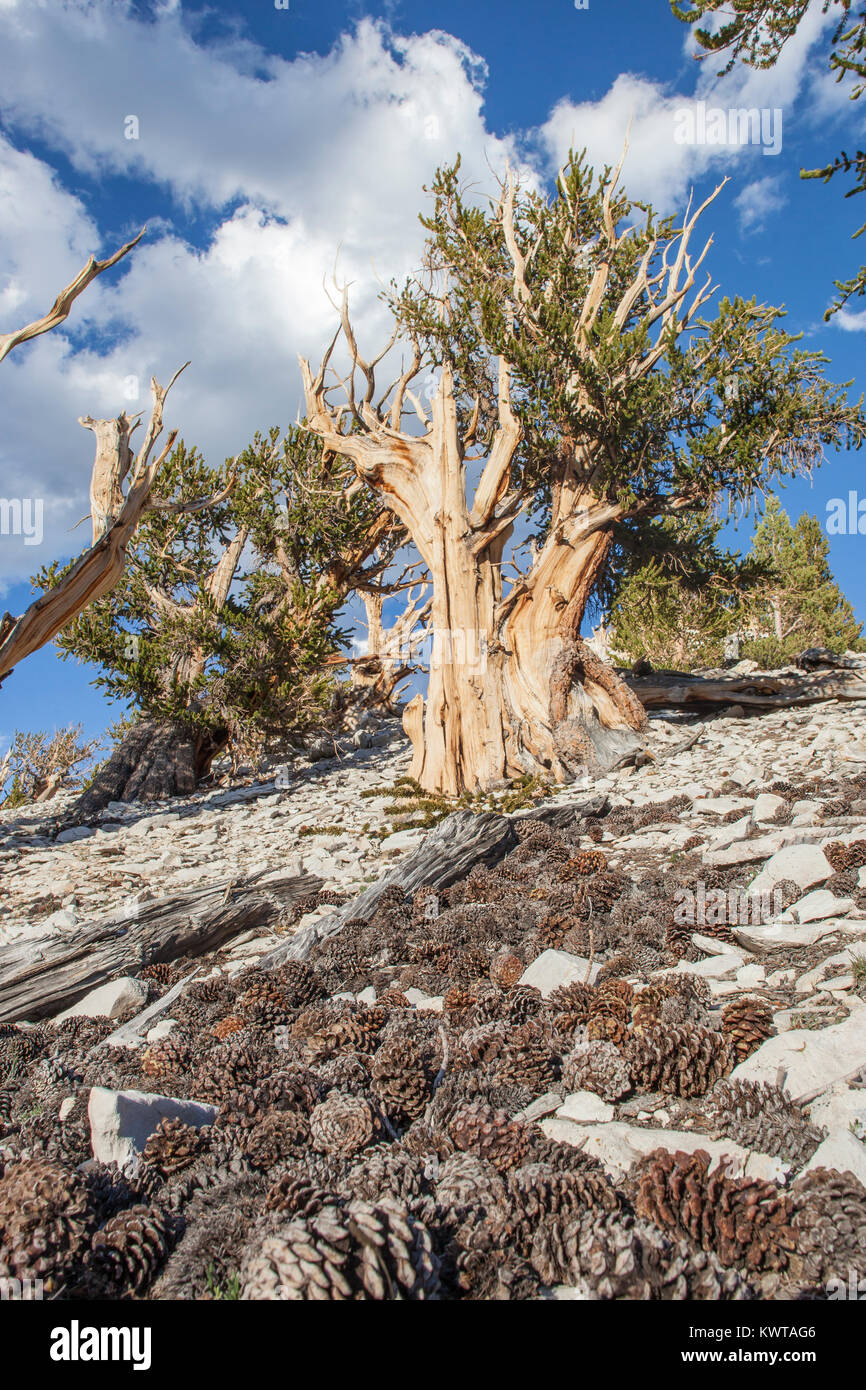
[553, 327]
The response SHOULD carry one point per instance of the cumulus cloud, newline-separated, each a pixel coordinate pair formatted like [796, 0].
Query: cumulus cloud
[308, 163]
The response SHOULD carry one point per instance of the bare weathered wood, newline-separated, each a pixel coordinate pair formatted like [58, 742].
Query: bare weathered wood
[40, 982]
[96, 571]
[760, 692]
[445, 855]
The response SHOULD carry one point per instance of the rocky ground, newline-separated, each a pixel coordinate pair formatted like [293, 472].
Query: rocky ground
[628, 1060]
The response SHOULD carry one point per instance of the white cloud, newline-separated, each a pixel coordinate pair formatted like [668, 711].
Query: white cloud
[758, 201]
[327, 156]
[850, 320]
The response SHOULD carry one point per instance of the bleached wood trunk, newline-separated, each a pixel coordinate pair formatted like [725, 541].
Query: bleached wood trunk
[512, 689]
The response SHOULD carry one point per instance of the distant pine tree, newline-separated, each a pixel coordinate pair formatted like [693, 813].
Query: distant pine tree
[798, 603]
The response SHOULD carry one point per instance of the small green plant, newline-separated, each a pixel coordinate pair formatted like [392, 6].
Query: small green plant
[308, 830]
[219, 1292]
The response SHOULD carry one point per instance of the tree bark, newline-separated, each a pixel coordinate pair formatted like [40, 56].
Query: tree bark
[157, 760]
[188, 923]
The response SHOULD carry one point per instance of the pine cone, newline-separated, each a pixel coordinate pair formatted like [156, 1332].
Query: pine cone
[277, 1136]
[227, 1026]
[45, 1222]
[129, 1250]
[527, 1059]
[226, 1069]
[361, 1252]
[680, 1061]
[763, 1118]
[387, 1172]
[747, 1023]
[264, 1003]
[402, 1078]
[299, 983]
[295, 1193]
[342, 1124]
[598, 1067]
[538, 1193]
[173, 1146]
[588, 861]
[613, 1256]
[830, 1226]
[842, 857]
[506, 969]
[742, 1220]
[171, 1058]
[457, 1000]
[490, 1134]
[570, 1005]
[355, 1032]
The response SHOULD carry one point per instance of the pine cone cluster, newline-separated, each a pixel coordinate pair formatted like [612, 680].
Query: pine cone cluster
[830, 1227]
[842, 857]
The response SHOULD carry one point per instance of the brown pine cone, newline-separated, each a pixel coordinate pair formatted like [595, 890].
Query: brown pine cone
[490, 1134]
[299, 983]
[506, 969]
[830, 1227]
[537, 1193]
[599, 1067]
[587, 861]
[342, 1124]
[295, 1193]
[361, 1252]
[570, 1005]
[170, 1058]
[402, 1077]
[610, 1255]
[279, 1135]
[527, 1058]
[45, 1222]
[457, 999]
[747, 1023]
[682, 1061]
[744, 1221]
[226, 1026]
[129, 1251]
[264, 1002]
[842, 857]
[354, 1032]
[173, 1146]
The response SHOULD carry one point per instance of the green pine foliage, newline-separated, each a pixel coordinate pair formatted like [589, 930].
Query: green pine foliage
[655, 413]
[755, 32]
[798, 603]
[289, 536]
[676, 594]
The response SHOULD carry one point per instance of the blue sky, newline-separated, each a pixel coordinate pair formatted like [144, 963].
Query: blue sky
[270, 140]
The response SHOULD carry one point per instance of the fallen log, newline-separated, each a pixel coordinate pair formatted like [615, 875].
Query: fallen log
[763, 692]
[38, 980]
[445, 855]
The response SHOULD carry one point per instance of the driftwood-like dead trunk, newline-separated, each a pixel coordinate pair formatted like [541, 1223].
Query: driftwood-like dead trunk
[157, 760]
[756, 691]
[444, 856]
[183, 924]
[115, 514]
